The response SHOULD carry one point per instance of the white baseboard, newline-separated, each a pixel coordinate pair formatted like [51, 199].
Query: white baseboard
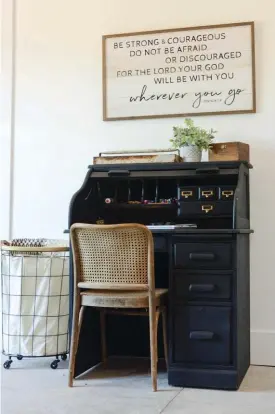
[263, 347]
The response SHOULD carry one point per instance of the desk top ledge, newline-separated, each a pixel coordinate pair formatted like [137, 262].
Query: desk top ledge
[204, 231]
[171, 166]
[197, 231]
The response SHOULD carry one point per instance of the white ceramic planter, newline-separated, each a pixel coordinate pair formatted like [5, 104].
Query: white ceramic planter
[190, 153]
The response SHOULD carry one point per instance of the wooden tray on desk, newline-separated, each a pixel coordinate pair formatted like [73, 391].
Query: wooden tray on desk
[137, 157]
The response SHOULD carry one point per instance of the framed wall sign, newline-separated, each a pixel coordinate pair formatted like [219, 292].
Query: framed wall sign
[178, 72]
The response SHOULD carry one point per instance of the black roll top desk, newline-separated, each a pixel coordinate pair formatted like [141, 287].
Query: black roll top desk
[205, 268]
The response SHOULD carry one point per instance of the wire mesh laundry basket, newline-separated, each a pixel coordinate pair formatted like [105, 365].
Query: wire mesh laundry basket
[35, 299]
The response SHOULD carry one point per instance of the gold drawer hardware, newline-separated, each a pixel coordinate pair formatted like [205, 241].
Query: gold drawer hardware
[99, 221]
[227, 193]
[207, 193]
[207, 208]
[187, 194]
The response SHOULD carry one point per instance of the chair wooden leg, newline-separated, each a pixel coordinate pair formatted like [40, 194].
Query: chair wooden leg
[157, 325]
[80, 320]
[81, 314]
[77, 322]
[103, 336]
[164, 332]
[153, 346]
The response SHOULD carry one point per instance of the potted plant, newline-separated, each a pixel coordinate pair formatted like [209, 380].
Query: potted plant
[191, 140]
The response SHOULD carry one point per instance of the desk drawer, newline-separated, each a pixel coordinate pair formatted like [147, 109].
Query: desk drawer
[202, 335]
[206, 208]
[203, 255]
[192, 287]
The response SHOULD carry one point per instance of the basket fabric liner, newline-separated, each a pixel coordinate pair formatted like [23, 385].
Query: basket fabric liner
[35, 307]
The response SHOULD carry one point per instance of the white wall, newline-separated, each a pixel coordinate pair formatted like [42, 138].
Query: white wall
[6, 113]
[59, 128]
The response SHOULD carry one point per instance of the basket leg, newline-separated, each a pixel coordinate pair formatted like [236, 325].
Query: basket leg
[55, 363]
[7, 363]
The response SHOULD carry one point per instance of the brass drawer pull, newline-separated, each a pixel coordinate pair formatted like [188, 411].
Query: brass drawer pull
[99, 221]
[187, 194]
[207, 208]
[207, 193]
[227, 193]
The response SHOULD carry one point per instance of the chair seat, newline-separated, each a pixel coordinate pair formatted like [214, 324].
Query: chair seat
[121, 299]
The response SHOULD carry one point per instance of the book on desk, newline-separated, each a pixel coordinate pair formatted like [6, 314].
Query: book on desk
[199, 216]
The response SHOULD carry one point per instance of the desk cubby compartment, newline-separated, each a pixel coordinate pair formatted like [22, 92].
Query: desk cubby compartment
[135, 190]
[106, 189]
[226, 193]
[208, 193]
[167, 189]
[202, 255]
[193, 287]
[188, 193]
[202, 335]
[206, 209]
[150, 190]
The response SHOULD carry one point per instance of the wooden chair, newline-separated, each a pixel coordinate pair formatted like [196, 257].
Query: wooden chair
[114, 268]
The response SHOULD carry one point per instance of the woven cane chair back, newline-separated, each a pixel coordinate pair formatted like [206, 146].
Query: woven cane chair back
[112, 254]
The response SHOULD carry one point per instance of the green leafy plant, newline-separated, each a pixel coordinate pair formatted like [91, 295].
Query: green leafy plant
[192, 135]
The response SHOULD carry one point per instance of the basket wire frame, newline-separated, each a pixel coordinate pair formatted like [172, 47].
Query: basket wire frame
[51, 253]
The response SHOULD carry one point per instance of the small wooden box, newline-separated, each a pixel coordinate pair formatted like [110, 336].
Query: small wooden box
[229, 151]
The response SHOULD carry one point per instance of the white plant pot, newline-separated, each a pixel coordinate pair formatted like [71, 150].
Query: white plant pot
[191, 153]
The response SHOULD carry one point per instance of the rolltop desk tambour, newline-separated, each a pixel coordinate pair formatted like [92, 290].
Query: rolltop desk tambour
[206, 268]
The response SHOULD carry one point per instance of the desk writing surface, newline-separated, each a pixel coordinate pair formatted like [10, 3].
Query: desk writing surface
[194, 231]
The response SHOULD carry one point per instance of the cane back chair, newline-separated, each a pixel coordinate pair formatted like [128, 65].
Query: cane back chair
[114, 272]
